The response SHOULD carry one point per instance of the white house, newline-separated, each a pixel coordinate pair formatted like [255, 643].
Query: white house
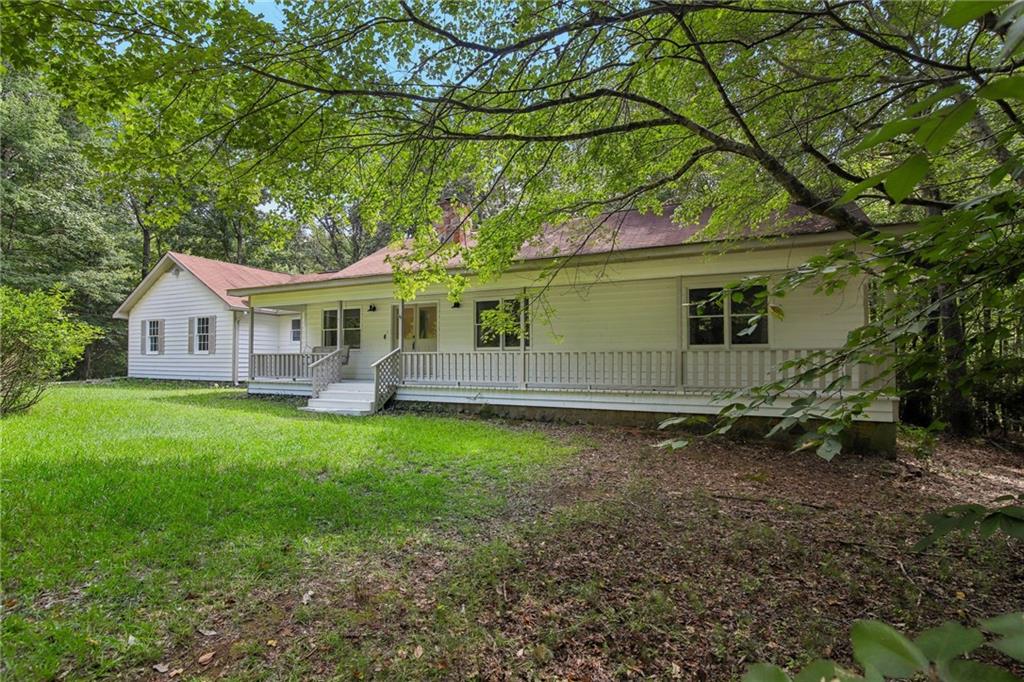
[183, 323]
[617, 329]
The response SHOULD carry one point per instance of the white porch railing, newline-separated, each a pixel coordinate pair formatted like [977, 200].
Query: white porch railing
[736, 368]
[387, 375]
[633, 370]
[327, 370]
[294, 366]
[595, 369]
[601, 369]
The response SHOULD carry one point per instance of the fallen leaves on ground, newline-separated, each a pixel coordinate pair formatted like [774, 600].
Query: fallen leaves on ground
[631, 561]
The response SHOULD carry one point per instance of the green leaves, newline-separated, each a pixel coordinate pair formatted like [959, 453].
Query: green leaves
[884, 653]
[888, 132]
[974, 517]
[1012, 22]
[900, 181]
[939, 129]
[965, 11]
[829, 448]
[1011, 87]
[1011, 628]
[972, 671]
[859, 188]
[820, 670]
[41, 340]
[948, 641]
[881, 647]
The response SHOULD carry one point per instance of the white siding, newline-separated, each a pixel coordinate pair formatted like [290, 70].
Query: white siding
[175, 298]
[634, 315]
[284, 334]
[649, 315]
[609, 316]
[634, 305]
[816, 320]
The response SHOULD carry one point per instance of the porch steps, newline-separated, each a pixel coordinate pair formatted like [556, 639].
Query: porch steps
[353, 398]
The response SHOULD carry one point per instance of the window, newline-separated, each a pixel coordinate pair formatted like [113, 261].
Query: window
[509, 339]
[202, 335]
[297, 329]
[350, 328]
[426, 322]
[707, 317]
[744, 311]
[748, 319]
[330, 327]
[152, 337]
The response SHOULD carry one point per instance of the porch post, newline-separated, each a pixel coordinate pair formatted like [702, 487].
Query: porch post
[341, 312]
[401, 324]
[679, 364]
[522, 339]
[234, 347]
[252, 340]
[303, 328]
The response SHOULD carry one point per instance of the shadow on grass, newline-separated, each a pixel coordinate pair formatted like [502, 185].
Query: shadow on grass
[238, 399]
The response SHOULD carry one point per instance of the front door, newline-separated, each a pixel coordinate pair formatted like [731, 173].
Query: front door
[419, 327]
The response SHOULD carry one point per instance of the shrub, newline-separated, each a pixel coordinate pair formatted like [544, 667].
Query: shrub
[39, 341]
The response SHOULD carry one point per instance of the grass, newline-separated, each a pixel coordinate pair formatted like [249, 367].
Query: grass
[130, 511]
[185, 526]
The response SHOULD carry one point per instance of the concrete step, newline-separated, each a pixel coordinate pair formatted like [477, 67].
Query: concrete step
[346, 397]
[329, 410]
[353, 385]
[348, 389]
[341, 403]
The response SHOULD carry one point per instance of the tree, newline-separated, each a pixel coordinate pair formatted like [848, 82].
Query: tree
[40, 341]
[548, 111]
[58, 230]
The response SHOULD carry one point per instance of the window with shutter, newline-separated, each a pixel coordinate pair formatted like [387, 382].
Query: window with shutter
[202, 339]
[152, 337]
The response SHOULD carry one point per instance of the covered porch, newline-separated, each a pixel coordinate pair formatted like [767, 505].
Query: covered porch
[639, 345]
[648, 380]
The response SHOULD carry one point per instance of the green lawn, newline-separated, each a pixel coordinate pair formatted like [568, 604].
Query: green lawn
[129, 509]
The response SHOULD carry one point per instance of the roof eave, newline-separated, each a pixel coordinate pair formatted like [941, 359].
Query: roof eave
[142, 287]
[824, 237]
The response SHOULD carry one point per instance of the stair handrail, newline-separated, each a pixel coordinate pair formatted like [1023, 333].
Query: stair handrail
[387, 375]
[327, 369]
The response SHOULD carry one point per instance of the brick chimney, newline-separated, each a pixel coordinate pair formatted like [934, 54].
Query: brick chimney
[453, 225]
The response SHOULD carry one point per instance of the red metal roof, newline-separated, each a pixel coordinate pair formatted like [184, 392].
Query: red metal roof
[219, 276]
[608, 233]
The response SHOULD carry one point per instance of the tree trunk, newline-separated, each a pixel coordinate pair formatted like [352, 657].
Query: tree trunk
[147, 234]
[147, 249]
[239, 244]
[956, 406]
[917, 406]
